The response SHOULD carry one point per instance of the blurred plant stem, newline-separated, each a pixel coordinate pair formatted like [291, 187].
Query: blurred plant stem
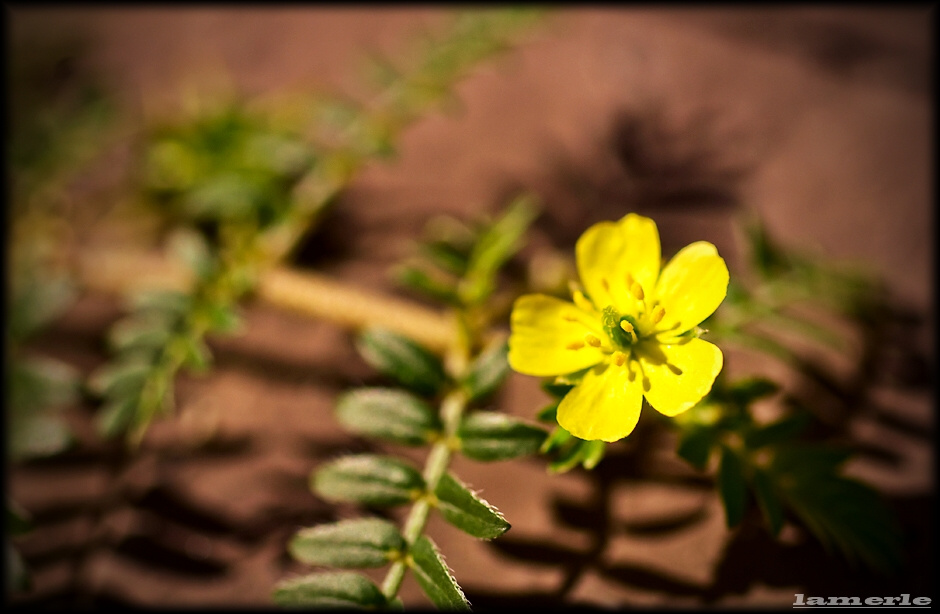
[305, 292]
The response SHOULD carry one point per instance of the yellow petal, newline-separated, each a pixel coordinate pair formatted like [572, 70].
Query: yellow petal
[691, 286]
[605, 405]
[608, 251]
[677, 376]
[542, 328]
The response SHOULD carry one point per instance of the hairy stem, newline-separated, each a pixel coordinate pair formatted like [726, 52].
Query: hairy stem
[452, 408]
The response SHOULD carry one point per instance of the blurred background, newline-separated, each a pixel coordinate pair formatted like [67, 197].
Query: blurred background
[818, 120]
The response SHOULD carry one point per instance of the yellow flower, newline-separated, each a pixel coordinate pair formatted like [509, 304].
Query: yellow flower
[633, 332]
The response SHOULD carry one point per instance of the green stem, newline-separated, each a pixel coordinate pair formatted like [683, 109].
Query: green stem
[452, 408]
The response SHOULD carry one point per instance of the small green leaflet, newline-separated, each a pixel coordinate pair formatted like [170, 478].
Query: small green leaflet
[462, 508]
[487, 372]
[435, 578]
[389, 414]
[491, 436]
[330, 589]
[364, 542]
[368, 479]
[402, 359]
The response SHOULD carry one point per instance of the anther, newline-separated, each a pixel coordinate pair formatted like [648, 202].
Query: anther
[637, 291]
[658, 315]
[605, 284]
[592, 340]
[581, 301]
[625, 325]
[619, 358]
[630, 280]
[575, 345]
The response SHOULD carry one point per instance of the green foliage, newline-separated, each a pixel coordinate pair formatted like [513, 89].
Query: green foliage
[359, 543]
[435, 578]
[402, 359]
[785, 475]
[732, 486]
[462, 508]
[439, 410]
[492, 436]
[565, 450]
[343, 589]
[389, 414]
[460, 263]
[487, 373]
[368, 479]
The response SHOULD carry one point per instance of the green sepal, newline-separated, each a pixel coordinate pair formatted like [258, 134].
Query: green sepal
[558, 437]
[337, 589]
[435, 578]
[487, 372]
[358, 543]
[389, 414]
[556, 390]
[368, 479]
[592, 452]
[402, 359]
[491, 436]
[462, 508]
[548, 414]
[732, 487]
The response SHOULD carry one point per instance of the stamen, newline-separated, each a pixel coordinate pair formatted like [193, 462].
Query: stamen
[582, 301]
[619, 358]
[592, 340]
[637, 291]
[658, 315]
[630, 280]
[628, 328]
[605, 284]
[575, 345]
[569, 318]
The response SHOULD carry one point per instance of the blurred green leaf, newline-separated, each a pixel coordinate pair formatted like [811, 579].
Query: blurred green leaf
[462, 508]
[748, 390]
[732, 487]
[390, 414]
[368, 479]
[338, 589]
[491, 436]
[428, 284]
[487, 373]
[402, 359]
[548, 414]
[495, 246]
[35, 302]
[777, 432]
[768, 500]
[119, 379]
[695, 445]
[843, 513]
[116, 416]
[366, 542]
[435, 578]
